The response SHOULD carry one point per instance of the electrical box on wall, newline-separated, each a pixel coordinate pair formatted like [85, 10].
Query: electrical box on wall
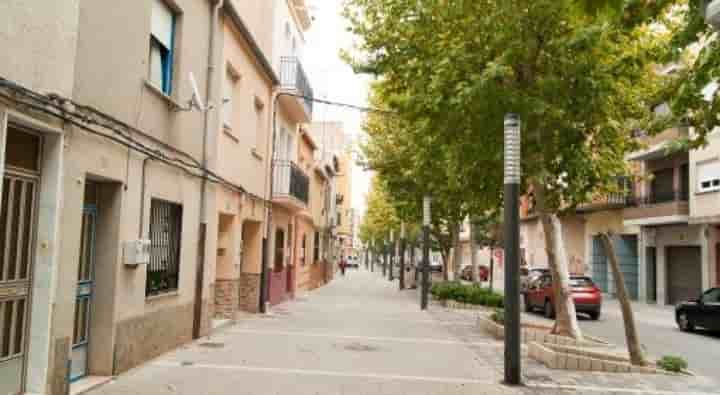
[136, 252]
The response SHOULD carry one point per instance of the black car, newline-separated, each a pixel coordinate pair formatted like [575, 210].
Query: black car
[703, 312]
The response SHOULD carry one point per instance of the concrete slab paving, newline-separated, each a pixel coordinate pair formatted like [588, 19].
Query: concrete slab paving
[360, 335]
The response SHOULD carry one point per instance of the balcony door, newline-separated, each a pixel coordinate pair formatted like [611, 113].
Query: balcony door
[662, 186]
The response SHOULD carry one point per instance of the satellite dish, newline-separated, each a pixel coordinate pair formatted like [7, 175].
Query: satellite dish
[196, 101]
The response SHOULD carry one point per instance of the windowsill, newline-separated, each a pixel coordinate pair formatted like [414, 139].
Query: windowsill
[706, 192]
[256, 154]
[227, 131]
[171, 294]
[172, 103]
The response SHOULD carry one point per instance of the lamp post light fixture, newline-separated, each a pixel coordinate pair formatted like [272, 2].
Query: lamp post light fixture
[512, 249]
[425, 285]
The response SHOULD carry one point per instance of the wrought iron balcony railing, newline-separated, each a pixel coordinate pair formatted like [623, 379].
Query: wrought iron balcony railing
[292, 76]
[290, 181]
[659, 197]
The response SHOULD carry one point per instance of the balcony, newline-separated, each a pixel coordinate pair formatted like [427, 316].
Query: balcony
[658, 208]
[291, 186]
[606, 201]
[294, 80]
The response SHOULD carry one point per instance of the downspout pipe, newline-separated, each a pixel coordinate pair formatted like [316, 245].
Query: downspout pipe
[202, 231]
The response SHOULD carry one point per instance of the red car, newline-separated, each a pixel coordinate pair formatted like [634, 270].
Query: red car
[587, 296]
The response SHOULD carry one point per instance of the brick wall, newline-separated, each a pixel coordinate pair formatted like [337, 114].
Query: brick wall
[227, 297]
[249, 292]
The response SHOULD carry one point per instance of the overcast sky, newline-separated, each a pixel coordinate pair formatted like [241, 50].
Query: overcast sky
[334, 80]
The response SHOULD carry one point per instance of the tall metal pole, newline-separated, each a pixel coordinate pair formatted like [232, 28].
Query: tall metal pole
[373, 256]
[385, 257]
[512, 250]
[402, 256]
[392, 254]
[425, 286]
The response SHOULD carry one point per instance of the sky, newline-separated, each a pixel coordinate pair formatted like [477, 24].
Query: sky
[333, 80]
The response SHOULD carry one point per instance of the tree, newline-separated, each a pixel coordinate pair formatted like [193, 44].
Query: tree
[631, 335]
[452, 69]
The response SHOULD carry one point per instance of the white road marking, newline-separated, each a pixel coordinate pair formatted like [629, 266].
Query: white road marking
[367, 338]
[444, 380]
[313, 372]
[584, 389]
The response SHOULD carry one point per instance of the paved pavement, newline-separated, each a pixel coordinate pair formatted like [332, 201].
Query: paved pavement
[360, 335]
[659, 335]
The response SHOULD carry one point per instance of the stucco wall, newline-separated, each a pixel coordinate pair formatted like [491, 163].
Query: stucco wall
[704, 207]
[573, 233]
[38, 41]
[256, 15]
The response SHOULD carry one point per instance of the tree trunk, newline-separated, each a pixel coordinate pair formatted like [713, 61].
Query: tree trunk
[473, 256]
[631, 335]
[566, 323]
[457, 254]
[445, 255]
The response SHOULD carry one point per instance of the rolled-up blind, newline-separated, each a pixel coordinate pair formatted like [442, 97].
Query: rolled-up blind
[162, 23]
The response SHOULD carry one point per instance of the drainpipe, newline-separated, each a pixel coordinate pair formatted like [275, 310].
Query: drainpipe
[202, 234]
[143, 187]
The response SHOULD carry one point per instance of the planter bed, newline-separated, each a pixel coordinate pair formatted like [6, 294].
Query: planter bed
[564, 357]
[537, 333]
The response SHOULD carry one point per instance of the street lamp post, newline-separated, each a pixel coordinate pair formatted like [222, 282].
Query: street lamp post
[402, 256]
[385, 256]
[512, 250]
[372, 255]
[392, 254]
[425, 286]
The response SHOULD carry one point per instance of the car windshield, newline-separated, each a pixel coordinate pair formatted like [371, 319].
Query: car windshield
[581, 282]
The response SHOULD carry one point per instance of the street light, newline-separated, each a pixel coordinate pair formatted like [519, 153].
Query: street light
[392, 253]
[512, 249]
[425, 286]
[385, 256]
[402, 255]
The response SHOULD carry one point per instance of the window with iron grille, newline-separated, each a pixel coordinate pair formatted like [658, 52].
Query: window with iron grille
[165, 235]
[316, 247]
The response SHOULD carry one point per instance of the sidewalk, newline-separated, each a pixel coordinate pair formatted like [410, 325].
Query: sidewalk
[360, 335]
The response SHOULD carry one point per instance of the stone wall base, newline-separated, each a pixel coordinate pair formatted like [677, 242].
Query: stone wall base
[574, 358]
[227, 297]
[142, 338]
[249, 292]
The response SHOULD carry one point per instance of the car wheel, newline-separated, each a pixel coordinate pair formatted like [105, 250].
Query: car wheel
[595, 315]
[549, 310]
[684, 322]
[528, 306]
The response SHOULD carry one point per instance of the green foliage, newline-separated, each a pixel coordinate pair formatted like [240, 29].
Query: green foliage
[498, 316]
[672, 363]
[470, 294]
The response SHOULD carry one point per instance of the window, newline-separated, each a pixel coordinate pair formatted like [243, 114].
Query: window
[229, 86]
[712, 296]
[165, 237]
[162, 41]
[316, 247]
[259, 121]
[339, 219]
[303, 249]
[708, 175]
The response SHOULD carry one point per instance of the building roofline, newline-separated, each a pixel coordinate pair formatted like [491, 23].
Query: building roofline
[232, 11]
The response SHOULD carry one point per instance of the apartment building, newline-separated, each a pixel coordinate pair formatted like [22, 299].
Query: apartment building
[291, 183]
[109, 268]
[243, 155]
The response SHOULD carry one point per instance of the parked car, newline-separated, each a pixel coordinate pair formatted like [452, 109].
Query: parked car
[703, 312]
[531, 275]
[466, 273]
[587, 296]
[436, 267]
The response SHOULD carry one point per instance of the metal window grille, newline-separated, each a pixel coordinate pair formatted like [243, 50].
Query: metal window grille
[316, 253]
[165, 236]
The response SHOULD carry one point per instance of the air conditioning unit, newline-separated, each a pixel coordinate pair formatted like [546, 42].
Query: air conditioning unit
[136, 252]
[712, 14]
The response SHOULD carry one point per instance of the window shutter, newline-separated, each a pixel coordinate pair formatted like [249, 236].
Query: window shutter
[708, 176]
[162, 23]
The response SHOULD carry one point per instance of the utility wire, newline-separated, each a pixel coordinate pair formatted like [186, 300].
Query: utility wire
[83, 117]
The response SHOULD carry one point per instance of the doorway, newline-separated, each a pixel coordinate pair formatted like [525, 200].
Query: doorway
[20, 186]
[85, 285]
[651, 267]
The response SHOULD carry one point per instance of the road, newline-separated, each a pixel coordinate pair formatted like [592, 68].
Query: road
[658, 335]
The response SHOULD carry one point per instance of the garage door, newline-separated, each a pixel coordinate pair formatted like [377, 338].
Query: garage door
[626, 250]
[684, 276]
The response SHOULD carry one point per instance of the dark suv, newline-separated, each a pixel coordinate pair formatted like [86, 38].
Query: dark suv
[703, 312]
